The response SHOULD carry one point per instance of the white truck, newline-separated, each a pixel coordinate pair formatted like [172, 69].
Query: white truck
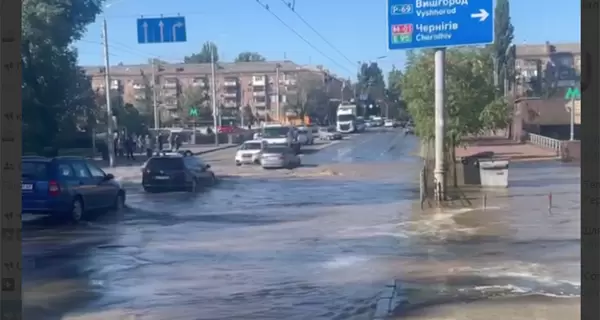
[280, 134]
[346, 118]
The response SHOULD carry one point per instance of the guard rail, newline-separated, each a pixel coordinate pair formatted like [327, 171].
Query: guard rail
[546, 142]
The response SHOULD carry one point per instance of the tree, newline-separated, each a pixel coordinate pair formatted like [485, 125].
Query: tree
[247, 116]
[194, 104]
[310, 97]
[248, 56]
[204, 55]
[370, 85]
[57, 94]
[393, 93]
[470, 93]
[504, 34]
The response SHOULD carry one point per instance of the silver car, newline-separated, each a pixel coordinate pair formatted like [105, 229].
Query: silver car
[274, 157]
[329, 133]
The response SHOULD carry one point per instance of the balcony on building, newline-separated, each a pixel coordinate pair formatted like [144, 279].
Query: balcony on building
[115, 84]
[230, 82]
[260, 103]
[170, 83]
[139, 97]
[230, 94]
[259, 93]
[170, 103]
[230, 104]
[259, 81]
[138, 86]
[199, 82]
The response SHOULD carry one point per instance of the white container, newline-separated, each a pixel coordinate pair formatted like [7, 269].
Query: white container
[493, 173]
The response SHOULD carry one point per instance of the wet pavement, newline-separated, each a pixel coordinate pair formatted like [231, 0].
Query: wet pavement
[318, 242]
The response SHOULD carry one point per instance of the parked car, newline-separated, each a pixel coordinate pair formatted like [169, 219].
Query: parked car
[305, 136]
[329, 133]
[249, 152]
[67, 187]
[274, 157]
[176, 172]
[228, 129]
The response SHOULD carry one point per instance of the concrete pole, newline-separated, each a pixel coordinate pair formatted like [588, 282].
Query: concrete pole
[109, 117]
[572, 136]
[440, 126]
[278, 104]
[214, 94]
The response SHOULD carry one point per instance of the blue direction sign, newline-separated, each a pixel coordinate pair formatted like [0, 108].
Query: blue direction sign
[416, 24]
[160, 30]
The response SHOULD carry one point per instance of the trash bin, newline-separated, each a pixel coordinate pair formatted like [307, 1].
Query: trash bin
[493, 173]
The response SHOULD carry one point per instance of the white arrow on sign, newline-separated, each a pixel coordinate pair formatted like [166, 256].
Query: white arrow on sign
[175, 26]
[161, 25]
[481, 15]
[145, 26]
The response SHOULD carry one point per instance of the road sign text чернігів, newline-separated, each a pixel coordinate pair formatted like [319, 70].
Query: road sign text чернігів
[416, 24]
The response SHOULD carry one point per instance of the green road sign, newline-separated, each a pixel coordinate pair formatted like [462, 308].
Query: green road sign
[573, 94]
[194, 112]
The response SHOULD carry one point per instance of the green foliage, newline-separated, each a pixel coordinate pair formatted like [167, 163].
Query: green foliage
[57, 95]
[504, 34]
[311, 96]
[204, 55]
[248, 56]
[393, 94]
[470, 93]
[370, 81]
[195, 98]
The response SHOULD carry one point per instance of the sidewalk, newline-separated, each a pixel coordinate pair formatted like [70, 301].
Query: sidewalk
[505, 148]
[130, 169]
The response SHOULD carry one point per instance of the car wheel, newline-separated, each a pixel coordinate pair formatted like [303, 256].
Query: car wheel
[188, 153]
[77, 210]
[237, 163]
[119, 202]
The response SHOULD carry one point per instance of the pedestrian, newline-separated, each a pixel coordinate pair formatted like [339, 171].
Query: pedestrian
[178, 142]
[129, 147]
[149, 146]
[159, 142]
[171, 141]
[116, 144]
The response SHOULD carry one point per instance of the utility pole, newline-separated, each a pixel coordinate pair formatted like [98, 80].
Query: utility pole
[278, 105]
[154, 96]
[109, 116]
[440, 126]
[214, 93]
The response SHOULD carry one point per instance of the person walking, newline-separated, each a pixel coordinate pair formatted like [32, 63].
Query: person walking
[177, 142]
[129, 147]
[149, 146]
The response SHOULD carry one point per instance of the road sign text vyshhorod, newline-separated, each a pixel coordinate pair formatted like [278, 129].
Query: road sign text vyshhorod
[416, 24]
[161, 30]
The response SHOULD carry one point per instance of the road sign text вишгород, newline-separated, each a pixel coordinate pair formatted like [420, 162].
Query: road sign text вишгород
[161, 30]
[416, 24]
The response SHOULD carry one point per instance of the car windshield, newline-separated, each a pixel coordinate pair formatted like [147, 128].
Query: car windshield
[165, 164]
[35, 170]
[275, 132]
[252, 146]
[346, 117]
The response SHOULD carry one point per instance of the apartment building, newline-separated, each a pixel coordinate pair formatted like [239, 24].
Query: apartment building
[237, 85]
[555, 66]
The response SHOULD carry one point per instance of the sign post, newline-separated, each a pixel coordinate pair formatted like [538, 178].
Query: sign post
[419, 24]
[572, 95]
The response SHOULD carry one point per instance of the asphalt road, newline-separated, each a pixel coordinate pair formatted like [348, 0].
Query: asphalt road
[317, 242]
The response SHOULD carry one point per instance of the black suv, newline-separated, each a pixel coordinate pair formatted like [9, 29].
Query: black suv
[176, 172]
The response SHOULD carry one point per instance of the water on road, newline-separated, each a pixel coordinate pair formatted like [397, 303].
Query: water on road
[317, 242]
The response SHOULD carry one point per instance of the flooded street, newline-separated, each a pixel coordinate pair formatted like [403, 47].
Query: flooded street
[318, 242]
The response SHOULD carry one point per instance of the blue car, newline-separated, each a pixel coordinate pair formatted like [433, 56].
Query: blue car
[67, 187]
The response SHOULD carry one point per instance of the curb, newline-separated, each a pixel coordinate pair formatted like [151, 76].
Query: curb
[229, 146]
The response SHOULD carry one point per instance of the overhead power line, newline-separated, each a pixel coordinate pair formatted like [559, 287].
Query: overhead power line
[292, 7]
[266, 7]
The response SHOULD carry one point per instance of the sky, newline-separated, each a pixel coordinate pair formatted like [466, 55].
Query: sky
[357, 29]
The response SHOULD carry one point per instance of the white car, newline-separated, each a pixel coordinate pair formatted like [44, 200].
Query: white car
[388, 123]
[249, 152]
[305, 135]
